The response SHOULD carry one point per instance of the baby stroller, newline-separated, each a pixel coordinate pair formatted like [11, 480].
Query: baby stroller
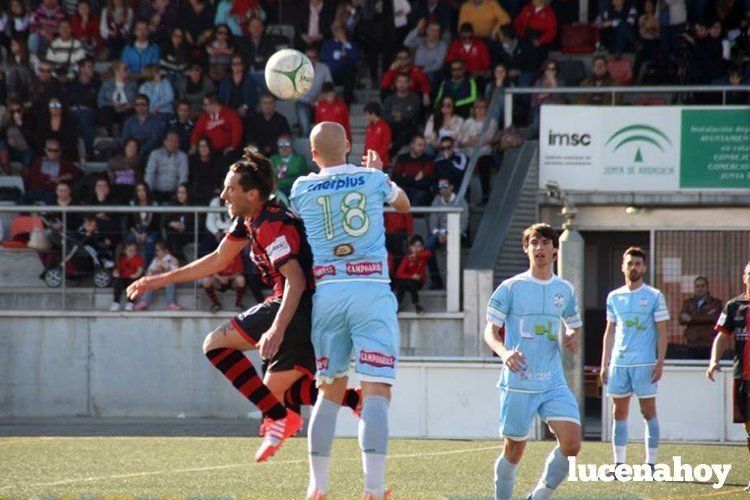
[82, 260]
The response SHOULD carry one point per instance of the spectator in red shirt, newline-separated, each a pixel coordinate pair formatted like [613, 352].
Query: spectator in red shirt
[418, 81]
[46, 171]
[231, 277]
[129, 268]
[331, 108]
[411, 272]
[536, 26]
[377, 133]
[471, 50]
[85, 27]
[414, 172]
[219, 124]
[398, 229]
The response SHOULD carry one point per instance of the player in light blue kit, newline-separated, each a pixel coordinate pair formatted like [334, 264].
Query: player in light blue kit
[636, 316]
[354, 310]
[526, 317]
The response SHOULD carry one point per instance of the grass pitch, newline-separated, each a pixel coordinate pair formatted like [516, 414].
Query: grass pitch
[213, 467]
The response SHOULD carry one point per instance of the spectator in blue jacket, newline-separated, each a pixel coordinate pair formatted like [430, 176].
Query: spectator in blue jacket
[238, 90]
[159, 92]
[116, 97]
[141, 52]
[341, 57]
[144, 127]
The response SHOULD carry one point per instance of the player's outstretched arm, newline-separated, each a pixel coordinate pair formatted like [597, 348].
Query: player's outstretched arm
[721, 342]
[211, 264]
[607, 343]
[294, 287]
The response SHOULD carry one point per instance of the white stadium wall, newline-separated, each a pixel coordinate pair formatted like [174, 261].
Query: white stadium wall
[151, 366]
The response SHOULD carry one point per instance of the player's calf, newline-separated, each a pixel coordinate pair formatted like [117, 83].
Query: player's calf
[556, 467]
[373, 436]
[506, 468]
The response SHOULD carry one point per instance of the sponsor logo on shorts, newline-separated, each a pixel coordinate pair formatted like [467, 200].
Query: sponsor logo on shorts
[322, 363]
[320, 271]
[364, 268]
[377, 359]
[343, 250]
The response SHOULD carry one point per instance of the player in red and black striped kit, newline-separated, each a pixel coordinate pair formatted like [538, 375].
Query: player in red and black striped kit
[280, 326]
[734, 323]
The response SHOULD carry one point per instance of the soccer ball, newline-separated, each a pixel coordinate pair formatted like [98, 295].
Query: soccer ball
[289, 74]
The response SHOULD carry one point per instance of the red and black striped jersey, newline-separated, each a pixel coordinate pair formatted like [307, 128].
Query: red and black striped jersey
[735, 321]
[276, 235]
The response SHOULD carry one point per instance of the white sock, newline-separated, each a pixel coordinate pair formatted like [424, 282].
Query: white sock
[373, 465]
[620, 454]
[318, 475]
[373, 442]
[652, 455]
[541, 492]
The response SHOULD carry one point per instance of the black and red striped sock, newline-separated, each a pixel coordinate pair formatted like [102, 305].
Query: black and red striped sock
[304, 392]
[211, 292]
[241, 373]
[239, 295]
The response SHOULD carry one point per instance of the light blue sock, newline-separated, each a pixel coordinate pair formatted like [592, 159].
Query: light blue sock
[320, 434]
[373, 441]
[555, 469]
[652, 440]
[620, 440]
[505, 478]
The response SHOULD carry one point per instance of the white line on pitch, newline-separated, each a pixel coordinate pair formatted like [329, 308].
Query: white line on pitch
[232, 466]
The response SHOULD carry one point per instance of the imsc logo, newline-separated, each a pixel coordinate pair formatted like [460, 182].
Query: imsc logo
[566, 139]
[638, 134]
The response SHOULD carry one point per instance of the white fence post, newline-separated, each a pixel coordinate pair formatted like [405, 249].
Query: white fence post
[453, 262]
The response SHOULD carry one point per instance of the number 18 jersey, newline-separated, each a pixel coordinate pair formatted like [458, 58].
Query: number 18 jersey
[342, 208]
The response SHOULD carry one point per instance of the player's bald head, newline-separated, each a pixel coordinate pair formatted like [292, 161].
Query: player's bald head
[328, 142]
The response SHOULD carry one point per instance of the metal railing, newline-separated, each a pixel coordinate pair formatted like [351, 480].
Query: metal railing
[453, 245]
[614, 91]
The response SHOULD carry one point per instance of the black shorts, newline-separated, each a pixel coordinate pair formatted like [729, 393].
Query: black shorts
[741, 401]
[296, 352]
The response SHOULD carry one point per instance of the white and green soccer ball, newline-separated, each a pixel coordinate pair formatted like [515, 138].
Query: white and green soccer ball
[289, 74]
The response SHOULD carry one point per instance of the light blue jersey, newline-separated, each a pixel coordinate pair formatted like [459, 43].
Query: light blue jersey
[532, 313]
[635, 314]
[342, 208]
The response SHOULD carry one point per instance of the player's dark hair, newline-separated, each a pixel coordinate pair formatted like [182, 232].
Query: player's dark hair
[416, 239]
[635, 252]
[255, 172]
[541, 230]
[373, 108]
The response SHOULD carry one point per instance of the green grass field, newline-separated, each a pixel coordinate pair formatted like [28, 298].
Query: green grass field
[197, 467]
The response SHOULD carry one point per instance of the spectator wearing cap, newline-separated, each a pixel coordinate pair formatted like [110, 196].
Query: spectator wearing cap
[472, 51]
[116, 99]
[437, 225]
[194, 89]
[418, 81]
[44, 23]
[220, 125]
[429, 48]
[536, 26]
[414, 172]
[483, 15]
[377, 133]
[143, 126]
[305, 105]
[699, 315]
[331, 108]
[141, 52]
[341, 57]
[265, 127]
[287, 164]
[159, 92]
[238, 89]
[167, 168]
[461, 88]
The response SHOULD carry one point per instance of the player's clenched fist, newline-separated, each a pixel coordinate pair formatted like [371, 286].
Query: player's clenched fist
[515, 361]
[570, 341]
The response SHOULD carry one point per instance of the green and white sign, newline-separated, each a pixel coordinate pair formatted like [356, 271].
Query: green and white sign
[645, 148]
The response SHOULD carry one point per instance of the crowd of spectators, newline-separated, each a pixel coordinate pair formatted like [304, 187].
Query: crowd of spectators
[167, 92]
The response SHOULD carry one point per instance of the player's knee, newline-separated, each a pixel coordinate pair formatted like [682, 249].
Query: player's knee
[206, 282]
[571, 448]
[376, 389]
[648, 414]
[210, 342]
[619, 412]
[513, 450]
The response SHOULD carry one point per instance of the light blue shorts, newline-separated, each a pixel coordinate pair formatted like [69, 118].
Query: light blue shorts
[625, 381]
[355, 318]
[517, 410]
